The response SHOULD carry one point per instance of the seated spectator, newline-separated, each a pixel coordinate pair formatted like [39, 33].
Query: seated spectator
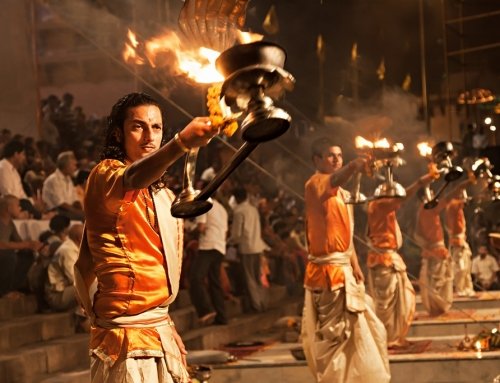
[52, 239]
[5, 136]
[16, 255]
[80, 182]
[35, 176]
[59, 192]
[485, 270]
[13, 161]
[60, 292]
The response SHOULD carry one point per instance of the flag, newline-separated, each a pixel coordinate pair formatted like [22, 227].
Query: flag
[354, 52]
[381, 70]
[320, 48]
[406, 83]
[271, 24]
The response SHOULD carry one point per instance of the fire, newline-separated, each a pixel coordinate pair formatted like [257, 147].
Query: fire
[399, 146]
[198, 65]
[129, 52]
[424, 149]
[382, 143]
[362, 143]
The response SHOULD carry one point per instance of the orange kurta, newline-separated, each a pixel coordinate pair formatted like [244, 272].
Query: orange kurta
[128, 261]
[328, 230]
[429, 232]
[455, 222]
[383, 230]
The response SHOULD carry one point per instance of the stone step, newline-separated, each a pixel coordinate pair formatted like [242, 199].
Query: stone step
[26, 364]
[186, 318]
[482, 300]
[213, 337]
[77, 376]
[35, 328]
[22, 306]
[454, 322]
[442, 362]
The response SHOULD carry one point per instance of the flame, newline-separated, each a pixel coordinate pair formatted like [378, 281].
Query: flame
[398, 146]
[247, 37]
[129, 52]
[382, 143]
[201, 66]
[166, 49]
[132, 38]
[424, 149]
[362, 143]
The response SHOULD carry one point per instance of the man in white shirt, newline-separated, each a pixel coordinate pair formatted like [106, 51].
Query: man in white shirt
[59, 192]
[246, 233]
[485, 270]
[212, 227]
[13, 160]
[60, 292]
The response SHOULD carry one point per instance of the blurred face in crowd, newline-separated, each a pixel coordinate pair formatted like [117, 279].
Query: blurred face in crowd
[142, 130]
[14, 208]
[483, 251]
[18, 160]
[70, 167]
[330, 161]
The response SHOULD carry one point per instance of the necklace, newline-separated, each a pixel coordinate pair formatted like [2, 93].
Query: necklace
[154, 225]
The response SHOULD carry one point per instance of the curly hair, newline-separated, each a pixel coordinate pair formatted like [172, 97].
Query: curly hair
[113, 141]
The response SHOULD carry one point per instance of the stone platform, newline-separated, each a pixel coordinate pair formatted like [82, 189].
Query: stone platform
[44, 347]
[481, 300]
[441, 362]
[438, 361]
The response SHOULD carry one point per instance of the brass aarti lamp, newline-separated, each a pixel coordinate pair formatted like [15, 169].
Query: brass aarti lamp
[254, 78]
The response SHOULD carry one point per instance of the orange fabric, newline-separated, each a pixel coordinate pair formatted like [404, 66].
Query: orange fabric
[323, 277]
[430, 231]
[429, 226]
[382, 223]
[382, 258]
[328, 230]
[437, 252]
[455, 222]
[328, 225]
[128, 258]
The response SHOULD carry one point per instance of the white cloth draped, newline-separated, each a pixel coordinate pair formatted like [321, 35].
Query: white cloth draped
[436, 285]
[343, 345]
[462, 265]
[394, 298]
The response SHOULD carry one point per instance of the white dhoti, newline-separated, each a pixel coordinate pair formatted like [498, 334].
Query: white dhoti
[394, 298]
[343, 339]
[436, 284]
[462, 264]
[142, 366]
